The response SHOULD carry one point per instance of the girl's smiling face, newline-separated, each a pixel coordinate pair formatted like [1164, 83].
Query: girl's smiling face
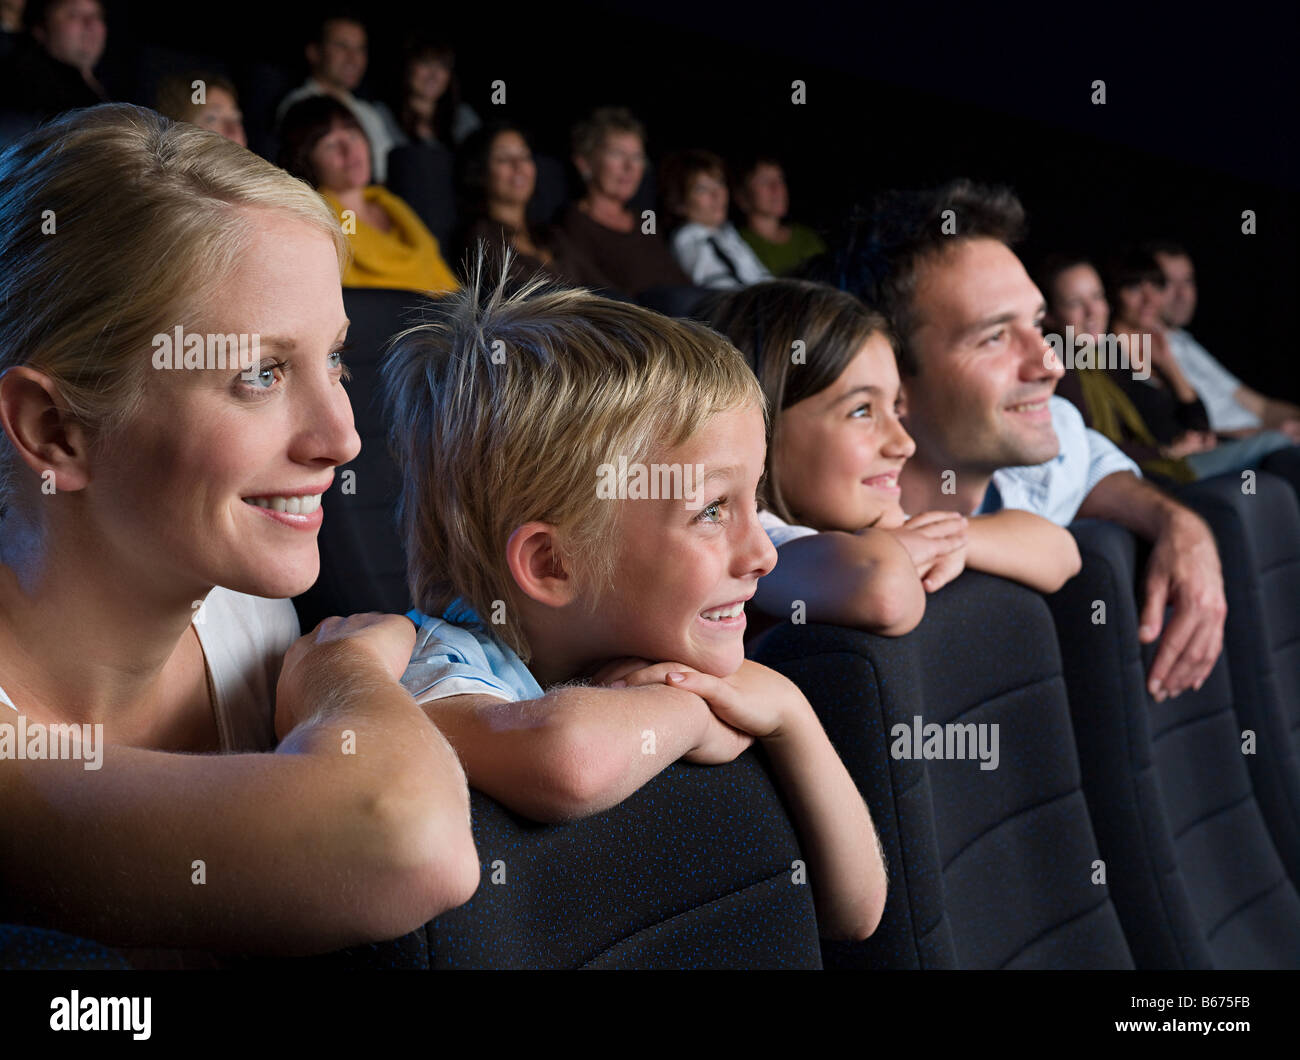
[838, 453]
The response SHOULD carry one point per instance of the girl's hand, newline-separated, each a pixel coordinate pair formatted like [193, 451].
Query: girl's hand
[936, 543]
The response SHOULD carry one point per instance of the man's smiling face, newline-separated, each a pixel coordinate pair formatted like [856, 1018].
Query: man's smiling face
[980, 400]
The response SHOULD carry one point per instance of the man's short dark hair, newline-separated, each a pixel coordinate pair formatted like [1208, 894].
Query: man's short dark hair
[330, 16]
[879, 260]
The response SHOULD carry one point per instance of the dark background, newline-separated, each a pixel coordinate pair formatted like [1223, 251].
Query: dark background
[1199, 123]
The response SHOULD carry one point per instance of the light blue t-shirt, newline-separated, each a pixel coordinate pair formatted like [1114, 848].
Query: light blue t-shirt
[458, 655]
[1057, 488]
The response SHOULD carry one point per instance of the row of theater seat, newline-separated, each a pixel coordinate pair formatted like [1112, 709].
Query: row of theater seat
[1115, 832]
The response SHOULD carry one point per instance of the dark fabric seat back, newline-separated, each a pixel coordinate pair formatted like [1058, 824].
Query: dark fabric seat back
[988, 868]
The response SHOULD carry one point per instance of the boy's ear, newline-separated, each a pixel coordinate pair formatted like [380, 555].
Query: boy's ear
[40, 429]
[535, 558]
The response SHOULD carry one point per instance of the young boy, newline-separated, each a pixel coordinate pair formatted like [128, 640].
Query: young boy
[579, 508]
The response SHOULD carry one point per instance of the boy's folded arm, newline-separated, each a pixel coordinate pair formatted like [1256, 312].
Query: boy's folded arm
[1023, 547]
[866, 580]
[846, 866]
[575, 751]
[306, 850]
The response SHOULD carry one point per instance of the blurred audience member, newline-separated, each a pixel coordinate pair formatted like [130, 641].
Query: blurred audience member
[52, 69]
[337, 56]
[497, 177]
[609, 153]
[707, 246]
[1233, 407]
[429, 107]
[1078, 314]
[206, 100]
[11, 24]
[325, 145]
[761, 195]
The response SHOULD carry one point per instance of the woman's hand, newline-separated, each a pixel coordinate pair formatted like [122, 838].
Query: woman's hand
[337, 652]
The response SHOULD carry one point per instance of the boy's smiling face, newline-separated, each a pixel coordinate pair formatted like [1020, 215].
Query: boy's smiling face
[679, 560]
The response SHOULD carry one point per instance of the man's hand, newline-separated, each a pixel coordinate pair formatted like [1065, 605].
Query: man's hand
[936, 543]
[1291, 428]
[1189, 442]
[1183, 573]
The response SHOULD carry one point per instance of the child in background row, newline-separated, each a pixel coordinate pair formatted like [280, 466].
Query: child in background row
[836, 447]
[707, 246]
[557, 625]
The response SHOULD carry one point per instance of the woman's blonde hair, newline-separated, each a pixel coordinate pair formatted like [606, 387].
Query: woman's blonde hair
[115, 223]
[504, 410]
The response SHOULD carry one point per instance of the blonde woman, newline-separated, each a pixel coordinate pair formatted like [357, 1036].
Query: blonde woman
[159, 506]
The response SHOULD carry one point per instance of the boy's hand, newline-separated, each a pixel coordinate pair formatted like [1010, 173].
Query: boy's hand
[753, 700]
[337, 650]
[719, 743]
[616, 670]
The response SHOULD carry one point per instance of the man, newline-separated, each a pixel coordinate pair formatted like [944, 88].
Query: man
[53, 69]
[1234, 408]
[337, 58]
[989, 433]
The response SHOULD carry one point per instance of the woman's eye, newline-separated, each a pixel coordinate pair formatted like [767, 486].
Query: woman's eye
[861, 411]
[263, 377]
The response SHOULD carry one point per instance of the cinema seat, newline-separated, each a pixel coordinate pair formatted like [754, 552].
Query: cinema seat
[1259, 546]
[421, 173]
[1104, 676]
[25, 948]
[988, 868]
[1207, 884]
[363, 566]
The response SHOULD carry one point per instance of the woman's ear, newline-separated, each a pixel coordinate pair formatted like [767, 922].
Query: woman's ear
[583, 167]
[535, 558]
[44, 434]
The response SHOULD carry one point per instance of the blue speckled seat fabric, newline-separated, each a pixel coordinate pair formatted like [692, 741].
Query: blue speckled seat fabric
[1194, 872]
[28, 948]
[694, 870]
[988, 868]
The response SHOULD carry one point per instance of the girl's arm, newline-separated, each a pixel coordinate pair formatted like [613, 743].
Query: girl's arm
[1023, 547]
[866, 580]
[355, 830]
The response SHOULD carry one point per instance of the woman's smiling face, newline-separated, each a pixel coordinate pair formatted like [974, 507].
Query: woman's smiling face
[186, 490]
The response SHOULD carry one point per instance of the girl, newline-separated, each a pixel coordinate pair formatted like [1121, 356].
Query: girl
[836, 446]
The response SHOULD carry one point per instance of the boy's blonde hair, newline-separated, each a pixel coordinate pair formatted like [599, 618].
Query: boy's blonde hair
[503, 411]
[115, 223]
